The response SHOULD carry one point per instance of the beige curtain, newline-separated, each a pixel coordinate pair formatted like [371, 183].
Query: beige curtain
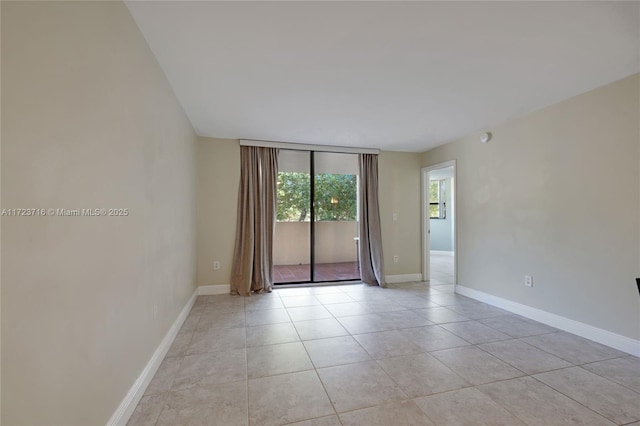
[371, 265]
[253, 254]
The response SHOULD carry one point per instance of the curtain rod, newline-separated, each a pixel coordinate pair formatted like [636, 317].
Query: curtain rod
[307, 147]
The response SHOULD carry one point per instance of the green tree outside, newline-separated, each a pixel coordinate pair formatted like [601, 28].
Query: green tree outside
[335, 197]
[436, 204]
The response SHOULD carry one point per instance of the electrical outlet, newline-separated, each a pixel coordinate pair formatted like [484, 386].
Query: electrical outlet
[528, 280]
[395, 216]
[216, 264]
[395, 259]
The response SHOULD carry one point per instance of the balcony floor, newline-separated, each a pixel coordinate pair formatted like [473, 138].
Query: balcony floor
[323, 272]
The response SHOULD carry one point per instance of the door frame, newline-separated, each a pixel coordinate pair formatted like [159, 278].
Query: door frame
[425, 221]
[312, 222]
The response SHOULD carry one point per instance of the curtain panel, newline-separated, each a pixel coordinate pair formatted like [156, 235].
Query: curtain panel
[371, 263]
[252, 269]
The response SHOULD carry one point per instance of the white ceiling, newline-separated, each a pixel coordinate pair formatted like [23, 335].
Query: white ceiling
[389, 75]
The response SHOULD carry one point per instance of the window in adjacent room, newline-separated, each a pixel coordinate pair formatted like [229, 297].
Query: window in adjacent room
[437, 197]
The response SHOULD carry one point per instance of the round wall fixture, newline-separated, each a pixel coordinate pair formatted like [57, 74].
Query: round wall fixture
[485, 137]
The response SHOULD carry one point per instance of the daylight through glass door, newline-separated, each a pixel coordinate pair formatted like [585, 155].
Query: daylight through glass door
[316, 229]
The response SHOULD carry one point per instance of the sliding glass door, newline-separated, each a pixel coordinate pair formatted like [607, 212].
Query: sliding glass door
[316, 229]
[292, 239]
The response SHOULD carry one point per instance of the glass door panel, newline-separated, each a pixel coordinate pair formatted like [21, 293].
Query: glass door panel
[292, 238]
[335, 227]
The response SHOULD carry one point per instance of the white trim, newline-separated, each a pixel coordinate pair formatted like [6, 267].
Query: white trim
[425, 221]
[130, 401]
[443, 252]
[307, 147]
[608, 338]
[425, 225]
[208, 290]
[391, 279]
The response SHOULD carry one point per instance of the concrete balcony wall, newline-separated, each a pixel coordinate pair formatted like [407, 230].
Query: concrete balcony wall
[291, 243]
[334, 242]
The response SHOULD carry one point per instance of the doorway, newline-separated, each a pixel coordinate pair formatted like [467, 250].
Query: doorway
[316, 228]
[439, 224]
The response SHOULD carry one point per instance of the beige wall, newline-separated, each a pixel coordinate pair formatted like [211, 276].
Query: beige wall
[555, 195]
[89, 121]
[399, 191]
[218, 180]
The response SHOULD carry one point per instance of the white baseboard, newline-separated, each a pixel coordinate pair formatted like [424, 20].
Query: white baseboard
[130, 401]
[442, 253]
[391, 279]
[608, 338]
[208, 290]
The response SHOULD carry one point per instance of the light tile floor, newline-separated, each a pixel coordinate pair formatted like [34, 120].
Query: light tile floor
[413, 354]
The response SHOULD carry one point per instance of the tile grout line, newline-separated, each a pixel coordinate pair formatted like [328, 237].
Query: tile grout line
[577, 402]
[607, 378]
[500, 405]
[164, 405]
[315, 370]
